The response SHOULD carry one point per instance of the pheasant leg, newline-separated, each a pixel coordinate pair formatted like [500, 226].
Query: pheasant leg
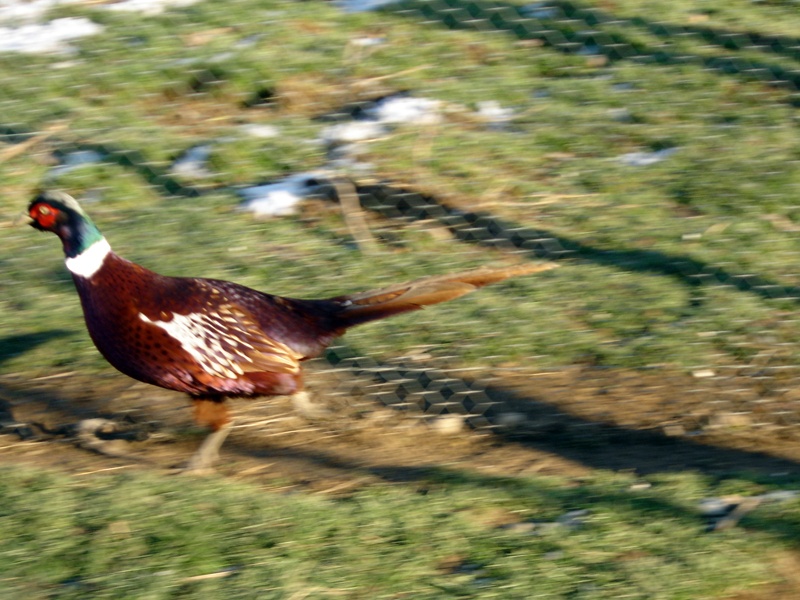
[208, 452]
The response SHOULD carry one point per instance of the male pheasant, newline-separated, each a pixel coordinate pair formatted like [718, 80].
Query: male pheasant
[215, 339]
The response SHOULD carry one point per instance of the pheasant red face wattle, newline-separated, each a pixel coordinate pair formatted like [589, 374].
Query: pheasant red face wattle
[44, 216]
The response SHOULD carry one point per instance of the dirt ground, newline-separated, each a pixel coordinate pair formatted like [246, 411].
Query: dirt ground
[564, 422]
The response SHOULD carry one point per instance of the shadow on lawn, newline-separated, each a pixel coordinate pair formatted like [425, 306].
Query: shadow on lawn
[575, 29]
[645, 506]
[550, 427]
[14, 345]
[487, 230]
[595, 444]
[598, 445]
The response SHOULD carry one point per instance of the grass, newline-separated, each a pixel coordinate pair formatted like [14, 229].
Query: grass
[684, 264]
[449, 534]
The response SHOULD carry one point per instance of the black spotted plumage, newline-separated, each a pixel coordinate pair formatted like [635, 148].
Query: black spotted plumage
[216, 339]
[132, 314]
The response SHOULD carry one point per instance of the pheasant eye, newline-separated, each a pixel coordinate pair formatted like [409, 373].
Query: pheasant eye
[45, 215]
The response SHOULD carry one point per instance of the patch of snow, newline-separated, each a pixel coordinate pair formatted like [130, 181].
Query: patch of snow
[21, 13]
[353, 131]
[148, 7]
[377, 119]
[621, 115]
[23, 29]
[406, 109]
[715, 507]
[259, 131]
[248, 41]
[511, 420]
[82, 157]
[282, 197]
[704, 373]
[367, 41]
[645, 159]
[47, 38]
[719, 506]
[780, 495]
[346, 158]
[65, 64]
[221, 57]
[589, 50]
[74, 160]
[574, 519]
[192, 163]
[449, 424]
[491, 112]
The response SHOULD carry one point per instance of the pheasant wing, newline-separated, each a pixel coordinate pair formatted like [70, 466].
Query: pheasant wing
[226, 343]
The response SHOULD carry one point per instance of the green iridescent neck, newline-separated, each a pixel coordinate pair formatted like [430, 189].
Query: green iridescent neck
[80, 235]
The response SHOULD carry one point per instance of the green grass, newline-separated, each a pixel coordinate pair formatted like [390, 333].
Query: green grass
[140, 536]
[653, 280]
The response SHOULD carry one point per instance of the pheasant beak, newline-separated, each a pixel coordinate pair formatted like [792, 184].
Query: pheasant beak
[24, 219]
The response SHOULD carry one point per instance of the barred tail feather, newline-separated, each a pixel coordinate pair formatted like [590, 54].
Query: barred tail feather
[404, 297]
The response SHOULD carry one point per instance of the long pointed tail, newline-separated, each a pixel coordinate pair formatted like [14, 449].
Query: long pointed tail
[404, 297]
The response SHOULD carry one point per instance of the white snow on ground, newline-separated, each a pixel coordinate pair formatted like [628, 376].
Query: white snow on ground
[540, 10]
[282, 197]
[23, 28]
[494, 114]
[645, 159]
[148, 7]
[406, 109]
[192, 163]
[257, 130]
[380, 116]
[344, 140]
[14, 12]
[75, 160]
[47, 38]
[367, 41]
[353, 131]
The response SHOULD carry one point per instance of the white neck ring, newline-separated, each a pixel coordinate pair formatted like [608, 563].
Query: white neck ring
[88, 262]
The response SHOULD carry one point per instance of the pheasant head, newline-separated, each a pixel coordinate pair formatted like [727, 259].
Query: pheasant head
[84, 245]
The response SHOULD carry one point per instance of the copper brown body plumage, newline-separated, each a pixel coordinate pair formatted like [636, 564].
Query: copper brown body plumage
[216, 339]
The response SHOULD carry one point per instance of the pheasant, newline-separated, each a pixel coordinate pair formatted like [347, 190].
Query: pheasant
[216, 339]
